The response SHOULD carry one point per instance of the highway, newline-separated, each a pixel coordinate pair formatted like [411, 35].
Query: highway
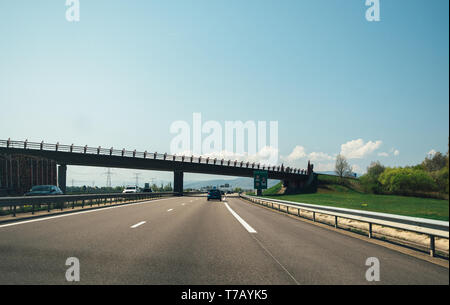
[188, 240]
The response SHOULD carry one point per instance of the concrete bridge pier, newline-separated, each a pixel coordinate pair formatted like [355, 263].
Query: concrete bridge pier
[178, 182]
[62, 177]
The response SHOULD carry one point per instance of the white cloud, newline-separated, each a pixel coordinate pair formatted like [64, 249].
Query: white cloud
[297, 153]
[324, 167]
[396, 152]
[383, 154]
[320, 156]
[357, 149]
[431, 153]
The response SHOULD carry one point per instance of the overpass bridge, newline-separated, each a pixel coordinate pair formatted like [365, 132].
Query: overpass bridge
[65, 155]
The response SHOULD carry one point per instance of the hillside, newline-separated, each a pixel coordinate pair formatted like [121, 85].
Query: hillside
[348, 194]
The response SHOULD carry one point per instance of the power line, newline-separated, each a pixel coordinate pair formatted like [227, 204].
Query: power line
[108, 174]
[136, 176]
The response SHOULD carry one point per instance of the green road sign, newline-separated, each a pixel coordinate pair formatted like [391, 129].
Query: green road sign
[260, 180]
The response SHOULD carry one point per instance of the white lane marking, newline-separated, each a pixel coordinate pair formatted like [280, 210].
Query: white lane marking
[138, 224]
[78, 213]
[242, 221]
[169, 210]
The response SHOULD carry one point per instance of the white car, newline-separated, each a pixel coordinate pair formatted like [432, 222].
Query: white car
[131, 189]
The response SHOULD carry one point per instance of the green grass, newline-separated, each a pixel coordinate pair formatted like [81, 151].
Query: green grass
[348, 196]
[273, 190]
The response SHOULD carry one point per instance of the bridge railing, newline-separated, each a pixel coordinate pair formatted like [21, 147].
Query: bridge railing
[14, 205]
[145, 155]
[432, 228]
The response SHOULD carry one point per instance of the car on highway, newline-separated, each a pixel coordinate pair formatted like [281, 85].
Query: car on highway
[131, 189]
[44, 190]
[147, 188]
[214, 194]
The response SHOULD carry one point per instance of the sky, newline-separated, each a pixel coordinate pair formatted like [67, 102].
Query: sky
[127, 70]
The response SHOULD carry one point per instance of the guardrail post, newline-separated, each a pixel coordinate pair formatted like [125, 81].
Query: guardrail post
[432, 246]
[370, 230]
[32, 209]
[336, 222]
[14, 211]
[314, 216]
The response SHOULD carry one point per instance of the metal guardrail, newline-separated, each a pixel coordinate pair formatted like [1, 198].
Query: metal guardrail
[70, 201]
[144, 155]
[432, 228]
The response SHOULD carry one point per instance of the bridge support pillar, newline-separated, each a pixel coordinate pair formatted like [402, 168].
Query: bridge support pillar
[178, 182]
[62, 174]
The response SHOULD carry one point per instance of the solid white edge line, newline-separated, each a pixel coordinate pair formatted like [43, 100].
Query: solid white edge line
[169, 210]
[138, 224]
[78, 213]
[242, 221]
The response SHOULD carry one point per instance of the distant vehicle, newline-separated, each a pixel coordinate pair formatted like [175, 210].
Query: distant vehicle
[229, 192]
[214, 194]
[44, 190]
[147, 188]
[131, 189]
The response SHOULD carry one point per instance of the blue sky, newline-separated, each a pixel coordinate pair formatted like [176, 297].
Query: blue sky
[129, 69]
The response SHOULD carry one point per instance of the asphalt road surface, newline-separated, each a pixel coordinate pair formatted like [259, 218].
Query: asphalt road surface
[189, 240]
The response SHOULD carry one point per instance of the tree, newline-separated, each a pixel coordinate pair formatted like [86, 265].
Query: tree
[437, 166]
[435, 162]
[375, 169]
[369, 181]
[342, 168]
[168, 188]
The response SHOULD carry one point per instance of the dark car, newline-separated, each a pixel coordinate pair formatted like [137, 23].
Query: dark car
[214, 194]
[44, 190]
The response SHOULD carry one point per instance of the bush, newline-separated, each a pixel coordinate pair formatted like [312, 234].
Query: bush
[406, 180]
[441, 179]
[370, 184]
